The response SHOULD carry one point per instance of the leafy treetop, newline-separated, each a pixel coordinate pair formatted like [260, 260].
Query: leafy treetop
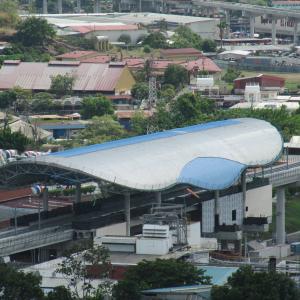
[34, 31]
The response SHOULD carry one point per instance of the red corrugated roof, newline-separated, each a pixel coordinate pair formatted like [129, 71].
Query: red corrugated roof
[90, 28]
[186, 51]
[201, 64]
[97, 59]
[134, 61]
[76, 54]
[37, 76]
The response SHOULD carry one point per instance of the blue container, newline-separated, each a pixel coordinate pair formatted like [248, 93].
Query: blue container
[295, 248]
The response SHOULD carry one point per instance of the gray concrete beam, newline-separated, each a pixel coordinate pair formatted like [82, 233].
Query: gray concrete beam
[244, 190]
[59, 6]
[127, 212]
[227, 20]
[78, 193]
[216, 209]
[97, 6]
[45, 199]
[274, 21]
[78, 7]
[158, 198]
[252, 23]
[295, 35]
[45, 7]
[280, 216]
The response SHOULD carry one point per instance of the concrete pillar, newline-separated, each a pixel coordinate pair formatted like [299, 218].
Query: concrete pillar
[295, 36]
[45, 199]
[78, 8]
[227, 19]
[78, 193]
[127, 213]
[244, 190]
[158, 198]
[274, 21]
[59, 6]
[216, 211]
[45, 7]
[97, 6]
[280, 216]
[252, 23]
[140, 5]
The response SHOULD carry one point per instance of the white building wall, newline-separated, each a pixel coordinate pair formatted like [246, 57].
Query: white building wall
[113, 35]
[208, 218]
[115, 229]
[259, 202]
[206, 29]
[227, 204]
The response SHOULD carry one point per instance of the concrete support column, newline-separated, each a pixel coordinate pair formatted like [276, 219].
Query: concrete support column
[78, 7]
[140, 5]
[252, 23]
[45, 7]
[280, 216]
[78, 193]
[227, 19]
[97, 6]
[59, 6]
[295, 35]
[158, 198]
[45, 199]
[244, 190]
[274, 21]
[216, 211]
[127, 213]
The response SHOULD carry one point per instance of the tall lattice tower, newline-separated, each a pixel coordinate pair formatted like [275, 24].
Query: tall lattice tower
[152, 97]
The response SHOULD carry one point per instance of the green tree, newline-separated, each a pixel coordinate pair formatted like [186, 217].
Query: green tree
[8, 13]
[209, 45]
[167, 93]
[245, 284]
[222, 27]
[156, 40]
[96, 106]
[7, 99]
[42, 102]
[157, 274]
[189, 109]
[147, 49]
[62, 85]
[125, 38]
[74, 267]
[231, 74]
[102, 129]
[17, 285]
[34, 31]
[60, 293]
[140, 90]
[138, 123]
[176, 75]
[184, 37]
[12, 140]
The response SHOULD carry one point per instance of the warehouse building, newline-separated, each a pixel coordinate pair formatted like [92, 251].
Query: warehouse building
[109, 78]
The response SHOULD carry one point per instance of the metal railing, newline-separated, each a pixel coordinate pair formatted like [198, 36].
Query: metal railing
[34, 239]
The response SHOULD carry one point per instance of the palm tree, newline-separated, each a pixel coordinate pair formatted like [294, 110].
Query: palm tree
[222, 26]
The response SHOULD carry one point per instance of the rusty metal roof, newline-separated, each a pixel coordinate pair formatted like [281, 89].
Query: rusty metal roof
[95, 77]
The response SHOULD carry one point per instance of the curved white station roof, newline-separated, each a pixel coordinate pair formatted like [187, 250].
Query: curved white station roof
[211, 156]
